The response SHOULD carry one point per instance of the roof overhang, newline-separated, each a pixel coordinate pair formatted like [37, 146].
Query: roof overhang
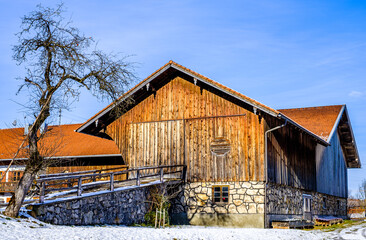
[344, 128]
[67, 157]
[159, 78]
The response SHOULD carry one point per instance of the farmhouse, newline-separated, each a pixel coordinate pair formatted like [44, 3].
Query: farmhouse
[69, 150]
[247, 164]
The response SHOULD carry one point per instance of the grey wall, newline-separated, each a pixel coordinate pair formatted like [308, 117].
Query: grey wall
[120, 207]
[331, 169]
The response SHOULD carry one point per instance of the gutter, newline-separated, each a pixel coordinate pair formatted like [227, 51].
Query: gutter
[266, 166]
[322, 141]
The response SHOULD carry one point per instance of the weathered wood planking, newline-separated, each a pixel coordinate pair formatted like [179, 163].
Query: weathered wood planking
[71, 169]
[291, 157]
[331, 169]
[177, 126]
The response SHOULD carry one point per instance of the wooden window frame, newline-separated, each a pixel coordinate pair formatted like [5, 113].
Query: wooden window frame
[324, 202]
[307, 201]
[221, 197]
[17, 176]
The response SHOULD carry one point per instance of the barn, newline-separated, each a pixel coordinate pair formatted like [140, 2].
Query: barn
[247, 164]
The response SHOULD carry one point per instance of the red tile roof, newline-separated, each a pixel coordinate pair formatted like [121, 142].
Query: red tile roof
[319, 120]
[59, 141]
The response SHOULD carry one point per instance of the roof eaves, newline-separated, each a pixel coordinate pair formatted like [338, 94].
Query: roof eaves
[353, 138]
[63, 157]
[325, 143]
[122, 98]
[334, 129]
[202, 79]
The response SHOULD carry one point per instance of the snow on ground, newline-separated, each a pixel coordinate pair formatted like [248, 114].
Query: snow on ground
[30, 228]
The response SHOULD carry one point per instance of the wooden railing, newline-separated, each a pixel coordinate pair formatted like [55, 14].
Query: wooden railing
[8, 186]
[94, 178]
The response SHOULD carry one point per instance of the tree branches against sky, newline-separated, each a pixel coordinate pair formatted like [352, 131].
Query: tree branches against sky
[282, 53]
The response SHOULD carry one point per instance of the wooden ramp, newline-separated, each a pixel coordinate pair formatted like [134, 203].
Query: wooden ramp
[53, 186]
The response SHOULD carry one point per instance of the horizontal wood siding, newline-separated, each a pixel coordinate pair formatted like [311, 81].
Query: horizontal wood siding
[291, 157]
[178, 126]
[331, 169]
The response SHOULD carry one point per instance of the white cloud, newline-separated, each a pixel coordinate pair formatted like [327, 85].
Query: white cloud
[355, 94]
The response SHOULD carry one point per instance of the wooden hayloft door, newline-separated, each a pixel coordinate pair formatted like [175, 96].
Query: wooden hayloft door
[156, 143]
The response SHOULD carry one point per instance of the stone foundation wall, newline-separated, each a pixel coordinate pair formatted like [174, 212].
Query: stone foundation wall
[246, 199]
[119, 207]
[285, 200]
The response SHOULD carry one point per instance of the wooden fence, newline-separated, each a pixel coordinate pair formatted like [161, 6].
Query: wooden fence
[8, 186]
[95, 178]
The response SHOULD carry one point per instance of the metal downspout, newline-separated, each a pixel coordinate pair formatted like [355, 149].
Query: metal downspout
[266, 167]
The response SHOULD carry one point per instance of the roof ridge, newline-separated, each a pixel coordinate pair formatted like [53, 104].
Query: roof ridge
[313, 107]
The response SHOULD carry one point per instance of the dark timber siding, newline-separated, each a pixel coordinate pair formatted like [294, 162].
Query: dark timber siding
[291, 158]
[331, 169]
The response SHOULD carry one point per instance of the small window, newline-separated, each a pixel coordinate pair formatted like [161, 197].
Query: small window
[307, 202]
[339, 204]
[324, 202]
[16, 176]
[220, 194]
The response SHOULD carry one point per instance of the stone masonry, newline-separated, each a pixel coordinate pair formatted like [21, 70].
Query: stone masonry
[285, 200]
[119, 207]
[244, 198]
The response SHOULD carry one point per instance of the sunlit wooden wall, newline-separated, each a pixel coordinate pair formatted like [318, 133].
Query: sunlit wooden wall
[179, 124]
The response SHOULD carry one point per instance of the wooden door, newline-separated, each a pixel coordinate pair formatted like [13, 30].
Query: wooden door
[156, 143]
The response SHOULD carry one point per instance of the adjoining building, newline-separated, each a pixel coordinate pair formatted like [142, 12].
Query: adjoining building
[247, 164]
[68, 151]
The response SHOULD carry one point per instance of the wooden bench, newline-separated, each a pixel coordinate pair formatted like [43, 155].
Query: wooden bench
[327, 221]
[292, 224]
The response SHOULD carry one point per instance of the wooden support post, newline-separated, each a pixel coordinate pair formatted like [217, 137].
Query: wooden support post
[41, 194]
[112, 181]
[156, 218]
[184, 173]
[138, 178]
[79, 186]
[160, 218]
[161, 174]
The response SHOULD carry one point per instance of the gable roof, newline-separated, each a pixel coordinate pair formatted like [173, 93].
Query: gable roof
[59, 142]
[326, 121]
[319, 120]
[89, 128]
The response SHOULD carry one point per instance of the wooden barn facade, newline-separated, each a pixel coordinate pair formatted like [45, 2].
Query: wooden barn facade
[68, 151]
[247, 164]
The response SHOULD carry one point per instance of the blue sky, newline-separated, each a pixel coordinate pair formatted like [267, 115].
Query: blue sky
[282, 53]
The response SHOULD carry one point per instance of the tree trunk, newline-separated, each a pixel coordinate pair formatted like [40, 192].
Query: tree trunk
[34, 164]
[16, 201]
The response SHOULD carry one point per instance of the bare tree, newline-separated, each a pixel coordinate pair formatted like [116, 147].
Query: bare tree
[160, 199]
[362, 194]
[59, 63]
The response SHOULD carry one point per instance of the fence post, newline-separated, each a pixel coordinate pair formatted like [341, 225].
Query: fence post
[112, 181]
[41, 194]
[161, 174]
[138, 178]
[79, 186]
[184, 173]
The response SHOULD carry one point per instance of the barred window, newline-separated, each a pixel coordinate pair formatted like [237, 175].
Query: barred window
[220, 194]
